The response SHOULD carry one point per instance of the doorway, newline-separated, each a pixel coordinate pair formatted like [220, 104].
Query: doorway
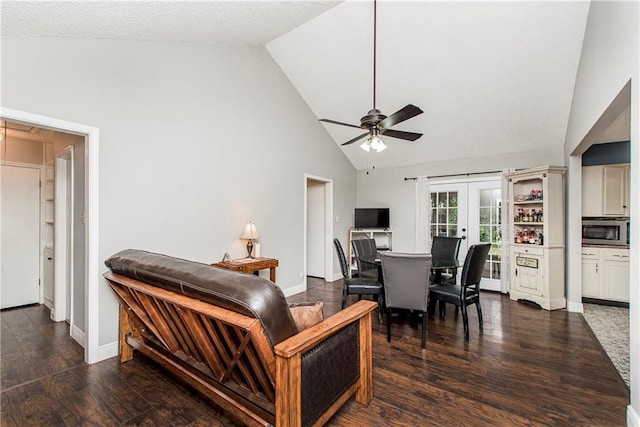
[92, 279]
[318, 227]
[471, 210]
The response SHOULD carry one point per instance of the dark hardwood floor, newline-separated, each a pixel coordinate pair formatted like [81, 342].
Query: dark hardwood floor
[530, 367]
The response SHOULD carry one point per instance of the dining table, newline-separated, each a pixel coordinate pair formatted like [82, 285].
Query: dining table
[438, 265]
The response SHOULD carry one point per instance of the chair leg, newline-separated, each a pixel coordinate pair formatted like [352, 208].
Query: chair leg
[465, 321]
[380, 307]
[424, 328]
[344, 299]
[479, 315]
[443, 309]
[431, 304]
[389, 324]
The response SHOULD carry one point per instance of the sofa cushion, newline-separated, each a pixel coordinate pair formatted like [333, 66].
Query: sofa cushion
[243, 293]
[307, 314]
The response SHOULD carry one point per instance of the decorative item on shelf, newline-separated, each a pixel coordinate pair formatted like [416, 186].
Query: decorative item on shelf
[226, 257]
[533, 196]
[250, 233]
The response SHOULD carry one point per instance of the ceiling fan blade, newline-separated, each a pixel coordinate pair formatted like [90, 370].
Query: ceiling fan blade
[351, 141]
[400, 116]
[409, 136]
[339, 123]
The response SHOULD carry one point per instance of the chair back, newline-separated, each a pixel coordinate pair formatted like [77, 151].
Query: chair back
[445, 247]
[406, 279]
[364, 247]
[474, 264]
[344, 268]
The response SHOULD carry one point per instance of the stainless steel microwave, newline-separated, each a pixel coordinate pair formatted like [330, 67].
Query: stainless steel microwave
[605, 231]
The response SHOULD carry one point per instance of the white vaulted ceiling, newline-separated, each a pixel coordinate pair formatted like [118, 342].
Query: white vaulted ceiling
[491, 77]
[222, 21]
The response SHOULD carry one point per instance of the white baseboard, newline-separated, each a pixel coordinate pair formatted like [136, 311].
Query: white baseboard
[336, 276]
[78, 335]
[294, 290]
[575, 307]
[633, 419]
[107, 351]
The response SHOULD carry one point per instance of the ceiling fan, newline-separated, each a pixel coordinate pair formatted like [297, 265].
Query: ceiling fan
[377, 123]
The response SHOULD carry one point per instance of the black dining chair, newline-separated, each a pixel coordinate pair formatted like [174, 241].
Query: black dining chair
[363, 248]
[406, 285]
[358, 285]
[468, 292]
[445, 248]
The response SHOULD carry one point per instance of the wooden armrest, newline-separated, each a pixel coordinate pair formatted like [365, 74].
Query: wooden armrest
[312, 336]
[289, 364]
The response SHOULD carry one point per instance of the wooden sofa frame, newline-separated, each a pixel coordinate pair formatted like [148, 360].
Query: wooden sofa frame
[227, 357]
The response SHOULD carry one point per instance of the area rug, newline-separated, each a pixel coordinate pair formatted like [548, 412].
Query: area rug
[611, 326]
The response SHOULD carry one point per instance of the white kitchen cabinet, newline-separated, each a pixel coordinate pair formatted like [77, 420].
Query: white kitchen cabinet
[616, 274]
[605, 190]
[605, 273]
[536, 202]
[592, 191]
[590, 273]
[614, 190]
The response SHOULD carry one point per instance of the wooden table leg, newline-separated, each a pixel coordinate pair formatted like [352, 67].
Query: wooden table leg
[272, 274]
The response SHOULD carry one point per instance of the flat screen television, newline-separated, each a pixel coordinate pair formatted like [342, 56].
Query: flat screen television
[371, 218]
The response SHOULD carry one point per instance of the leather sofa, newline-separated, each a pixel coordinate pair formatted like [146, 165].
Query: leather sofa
[232, 337]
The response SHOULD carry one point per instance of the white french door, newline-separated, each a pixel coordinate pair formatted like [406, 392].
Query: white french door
[472, 211]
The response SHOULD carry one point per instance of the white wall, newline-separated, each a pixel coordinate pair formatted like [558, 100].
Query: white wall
[609, 59]
[387, 187]
[60, 142]
[195, 139]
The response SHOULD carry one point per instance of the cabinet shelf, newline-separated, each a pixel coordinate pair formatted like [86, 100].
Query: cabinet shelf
[528, 223]
[529, 202]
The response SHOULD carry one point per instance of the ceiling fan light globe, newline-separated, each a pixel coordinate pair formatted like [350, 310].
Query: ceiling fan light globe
[377, 144]
[366, 145]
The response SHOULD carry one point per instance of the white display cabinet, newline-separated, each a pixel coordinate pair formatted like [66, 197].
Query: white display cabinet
[536, 198]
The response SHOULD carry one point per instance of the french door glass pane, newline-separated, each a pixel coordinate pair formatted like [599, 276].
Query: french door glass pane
[444, 214]
[490, 220]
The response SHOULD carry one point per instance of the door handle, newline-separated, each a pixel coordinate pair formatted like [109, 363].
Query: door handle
[463, 237]
[49, 258]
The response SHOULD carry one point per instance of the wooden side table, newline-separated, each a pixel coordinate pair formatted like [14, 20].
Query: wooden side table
[251, 265]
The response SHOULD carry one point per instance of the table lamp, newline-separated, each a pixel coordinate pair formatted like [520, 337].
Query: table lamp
[250, 233]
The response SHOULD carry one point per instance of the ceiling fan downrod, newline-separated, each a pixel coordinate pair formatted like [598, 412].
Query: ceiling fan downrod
[375, 20]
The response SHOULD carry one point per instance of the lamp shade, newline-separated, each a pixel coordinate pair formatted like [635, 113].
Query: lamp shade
[250, 231]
